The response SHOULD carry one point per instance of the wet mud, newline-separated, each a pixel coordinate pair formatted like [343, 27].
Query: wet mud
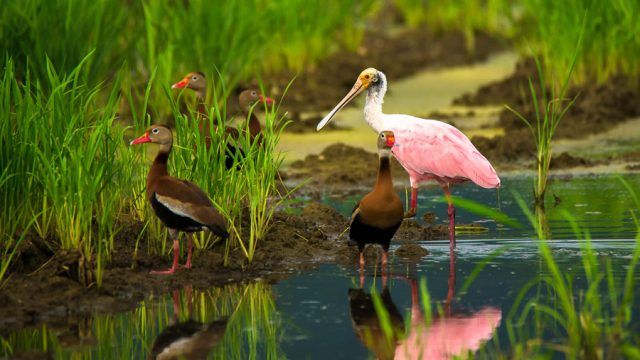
[597, 108]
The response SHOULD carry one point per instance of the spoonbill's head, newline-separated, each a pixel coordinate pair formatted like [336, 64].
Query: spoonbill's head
[155, 134]
[194, 81]
[386, 140]
[367, 78]
[247, 98]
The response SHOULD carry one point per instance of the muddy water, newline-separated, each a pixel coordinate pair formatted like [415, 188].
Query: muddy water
[419, 95]
[326, 312]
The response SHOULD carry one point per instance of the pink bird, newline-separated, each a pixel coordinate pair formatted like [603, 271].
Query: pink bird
[427, 149]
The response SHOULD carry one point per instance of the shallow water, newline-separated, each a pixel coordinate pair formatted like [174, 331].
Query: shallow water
[320, 313]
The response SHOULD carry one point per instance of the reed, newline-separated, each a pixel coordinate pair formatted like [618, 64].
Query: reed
[549, 109]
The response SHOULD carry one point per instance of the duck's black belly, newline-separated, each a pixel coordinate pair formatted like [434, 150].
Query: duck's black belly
[173, 220]
[364, 234]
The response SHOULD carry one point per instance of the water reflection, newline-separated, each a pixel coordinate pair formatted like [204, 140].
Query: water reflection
[452, 332]
[188, 339]
[237, 321]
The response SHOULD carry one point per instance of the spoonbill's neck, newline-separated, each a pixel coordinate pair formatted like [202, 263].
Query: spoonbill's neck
[373, 105]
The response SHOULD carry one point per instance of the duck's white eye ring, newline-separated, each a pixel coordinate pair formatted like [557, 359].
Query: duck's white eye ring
[382, 135]
[253, 93]
[194, 78]
[155, 131]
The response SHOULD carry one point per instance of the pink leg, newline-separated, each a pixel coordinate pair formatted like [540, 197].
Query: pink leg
[452, 218]
[187, 265]
[384, 267]
[176, 255]
[414, 203]
[361, 270]
[451, 283]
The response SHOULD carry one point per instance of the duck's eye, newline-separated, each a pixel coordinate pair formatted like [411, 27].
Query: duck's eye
[382, 136]
[194, 78]
[155, 131]
[253, 93]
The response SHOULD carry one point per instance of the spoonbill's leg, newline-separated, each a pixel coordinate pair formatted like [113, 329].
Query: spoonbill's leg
[176, 254]
[187, 265]
[452, 217]
[451, 283]
[414, 203]
[416, 315]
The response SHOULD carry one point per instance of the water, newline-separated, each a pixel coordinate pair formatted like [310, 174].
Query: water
[320, 314]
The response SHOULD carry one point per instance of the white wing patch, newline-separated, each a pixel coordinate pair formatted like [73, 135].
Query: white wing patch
[176, 206]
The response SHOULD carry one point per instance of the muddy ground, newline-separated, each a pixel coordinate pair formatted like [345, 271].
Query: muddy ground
[294, 243]
[597, 108]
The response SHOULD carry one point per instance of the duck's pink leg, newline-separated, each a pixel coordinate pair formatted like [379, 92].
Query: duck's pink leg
[176, 255]
[187, 265]
[361, 270]
[413, 207]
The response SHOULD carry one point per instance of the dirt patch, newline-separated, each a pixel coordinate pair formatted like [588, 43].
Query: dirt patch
[411, 251]
[327, 171]
[596, 109]
[321, 86]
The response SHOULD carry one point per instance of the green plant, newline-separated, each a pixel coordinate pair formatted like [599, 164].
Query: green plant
[549, 111]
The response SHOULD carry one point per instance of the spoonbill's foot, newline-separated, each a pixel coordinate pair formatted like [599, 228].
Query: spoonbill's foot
[410, 213]
[187, 265]
[163, 272]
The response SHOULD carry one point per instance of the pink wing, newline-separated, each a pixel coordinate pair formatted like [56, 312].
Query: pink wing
[429, 147]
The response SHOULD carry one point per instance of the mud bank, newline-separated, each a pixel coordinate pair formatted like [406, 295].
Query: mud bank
[294, 243]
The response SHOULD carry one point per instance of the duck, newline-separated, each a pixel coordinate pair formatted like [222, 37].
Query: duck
[197, 82]
[378, 215]
[181, 205]
[246, 100]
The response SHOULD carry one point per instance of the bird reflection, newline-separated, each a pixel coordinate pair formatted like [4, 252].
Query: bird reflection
[189, 339]
[367, 325]
[452, 333]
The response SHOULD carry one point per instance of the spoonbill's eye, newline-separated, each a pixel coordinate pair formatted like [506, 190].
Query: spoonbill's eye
[367, 76]
[155, 131]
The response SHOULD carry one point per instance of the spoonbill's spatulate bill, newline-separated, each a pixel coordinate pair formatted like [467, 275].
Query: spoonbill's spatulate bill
[427, 149]
[180, 205]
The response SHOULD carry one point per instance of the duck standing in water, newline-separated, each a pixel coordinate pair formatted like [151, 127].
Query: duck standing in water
[426, 149]
[378, 215]
[246, 101]
[196, 81]
[180, 205]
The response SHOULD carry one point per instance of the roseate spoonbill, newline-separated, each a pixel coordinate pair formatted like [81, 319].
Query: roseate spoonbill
[378, 215]
[197, 82]
[449, 335]
[180, 205]
[427, 149]
[246, 100]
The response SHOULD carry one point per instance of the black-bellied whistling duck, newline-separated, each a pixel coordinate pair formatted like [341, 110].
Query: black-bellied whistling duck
[189, 339]
[367, 323]
[180, 205]
[378, 215]
[196, 81]
[246, 100]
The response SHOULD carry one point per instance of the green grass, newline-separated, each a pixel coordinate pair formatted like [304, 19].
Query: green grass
[550, 28]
